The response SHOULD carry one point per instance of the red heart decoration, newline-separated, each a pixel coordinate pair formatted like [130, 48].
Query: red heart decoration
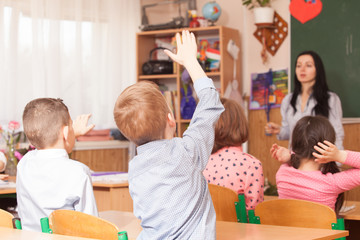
[305, 11]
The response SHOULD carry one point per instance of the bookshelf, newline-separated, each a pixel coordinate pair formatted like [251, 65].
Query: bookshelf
[146, 41]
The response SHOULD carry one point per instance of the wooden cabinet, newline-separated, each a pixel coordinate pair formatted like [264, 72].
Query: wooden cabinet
[146, 41]
[102, 156]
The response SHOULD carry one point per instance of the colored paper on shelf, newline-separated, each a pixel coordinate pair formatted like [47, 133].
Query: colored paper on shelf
[213, 54]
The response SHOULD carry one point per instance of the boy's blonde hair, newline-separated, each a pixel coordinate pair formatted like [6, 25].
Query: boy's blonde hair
[140, 113]
[43, 119]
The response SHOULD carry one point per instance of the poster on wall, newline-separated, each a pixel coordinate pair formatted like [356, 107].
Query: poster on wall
[268, 89]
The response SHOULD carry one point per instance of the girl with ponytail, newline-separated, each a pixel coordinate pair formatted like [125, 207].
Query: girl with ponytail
[309, 172]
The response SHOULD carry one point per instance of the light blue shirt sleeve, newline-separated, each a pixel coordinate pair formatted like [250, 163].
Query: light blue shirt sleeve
[200, 135]
[284, 133]
[335, 118]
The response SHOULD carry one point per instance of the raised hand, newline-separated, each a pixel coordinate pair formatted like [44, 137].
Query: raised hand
[328, 152]
[279, 153]
[186, 54]
[186, 48]
[81, 126]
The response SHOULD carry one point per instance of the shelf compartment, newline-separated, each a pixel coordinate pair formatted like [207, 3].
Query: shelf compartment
[158, 76]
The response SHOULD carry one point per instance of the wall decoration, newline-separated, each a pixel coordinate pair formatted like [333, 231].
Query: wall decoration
[268, 89]
[305, 10]
[271, 37]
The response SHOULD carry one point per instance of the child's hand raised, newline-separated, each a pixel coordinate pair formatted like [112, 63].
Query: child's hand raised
[279, 153]
[328, 153]
[186, 54]
[81, 126]
[186, 48]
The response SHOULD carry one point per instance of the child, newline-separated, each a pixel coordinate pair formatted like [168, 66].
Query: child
[228, 165]
[170, 194]
[314, 176]
[46, 178]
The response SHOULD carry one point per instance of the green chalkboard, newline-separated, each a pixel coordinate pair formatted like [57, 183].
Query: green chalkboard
[335, 35]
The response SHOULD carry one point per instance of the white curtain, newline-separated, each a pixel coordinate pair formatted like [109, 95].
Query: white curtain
[82, 51]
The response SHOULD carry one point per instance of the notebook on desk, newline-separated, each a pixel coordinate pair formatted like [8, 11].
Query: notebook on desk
[112, 177]
[7, 184]
[345, 208]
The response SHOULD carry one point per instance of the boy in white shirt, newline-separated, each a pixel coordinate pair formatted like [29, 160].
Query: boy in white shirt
[47, 179]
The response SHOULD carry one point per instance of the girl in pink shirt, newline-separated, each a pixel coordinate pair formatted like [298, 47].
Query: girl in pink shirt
[228, 165]
[310, 172]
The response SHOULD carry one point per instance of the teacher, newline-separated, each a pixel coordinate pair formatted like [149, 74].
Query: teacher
[311, 96]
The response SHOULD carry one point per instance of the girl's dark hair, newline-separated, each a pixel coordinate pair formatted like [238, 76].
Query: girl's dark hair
[307, 132]
[320, 88]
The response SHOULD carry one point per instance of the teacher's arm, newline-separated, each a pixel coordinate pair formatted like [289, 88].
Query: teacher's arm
[335, 118]
[284, 133]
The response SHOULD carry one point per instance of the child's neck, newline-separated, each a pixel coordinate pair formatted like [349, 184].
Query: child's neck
[309, 165]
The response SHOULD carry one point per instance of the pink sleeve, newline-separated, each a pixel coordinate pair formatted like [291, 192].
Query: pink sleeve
[254, 188]
[347, 180]
[353, 159]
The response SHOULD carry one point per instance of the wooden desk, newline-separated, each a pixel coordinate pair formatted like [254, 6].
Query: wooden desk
[230, 230]
[14, 234]
[7, 190]
[109, 196]
[113, 196]
[353, 214]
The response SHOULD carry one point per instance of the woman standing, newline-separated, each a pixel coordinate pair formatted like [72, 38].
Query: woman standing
[311, 97]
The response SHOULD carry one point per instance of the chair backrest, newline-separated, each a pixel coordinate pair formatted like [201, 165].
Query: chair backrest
[229, 206]
[78, 224]
[6, 219]
[295, 213]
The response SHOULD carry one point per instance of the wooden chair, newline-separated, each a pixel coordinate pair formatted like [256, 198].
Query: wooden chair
[229, 206]
[6, 219]
[78, 224]
[296, 213]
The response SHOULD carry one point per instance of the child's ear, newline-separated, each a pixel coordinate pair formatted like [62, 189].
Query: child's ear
[171, 120]
[65, 132]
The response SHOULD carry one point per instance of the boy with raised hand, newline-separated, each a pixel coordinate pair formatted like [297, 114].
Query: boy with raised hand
[169, 192]
[47, 179]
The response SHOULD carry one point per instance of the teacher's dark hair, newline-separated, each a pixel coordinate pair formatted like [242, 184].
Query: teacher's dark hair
[320, 88]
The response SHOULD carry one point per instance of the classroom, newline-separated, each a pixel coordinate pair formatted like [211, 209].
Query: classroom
[88, 52]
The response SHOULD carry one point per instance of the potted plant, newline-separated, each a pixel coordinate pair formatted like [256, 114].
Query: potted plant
[263, 13]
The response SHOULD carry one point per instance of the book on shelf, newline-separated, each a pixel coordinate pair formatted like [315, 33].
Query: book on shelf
[209, 52]
[170, 97]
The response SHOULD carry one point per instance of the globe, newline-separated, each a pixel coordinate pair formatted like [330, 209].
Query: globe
[211, 11]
